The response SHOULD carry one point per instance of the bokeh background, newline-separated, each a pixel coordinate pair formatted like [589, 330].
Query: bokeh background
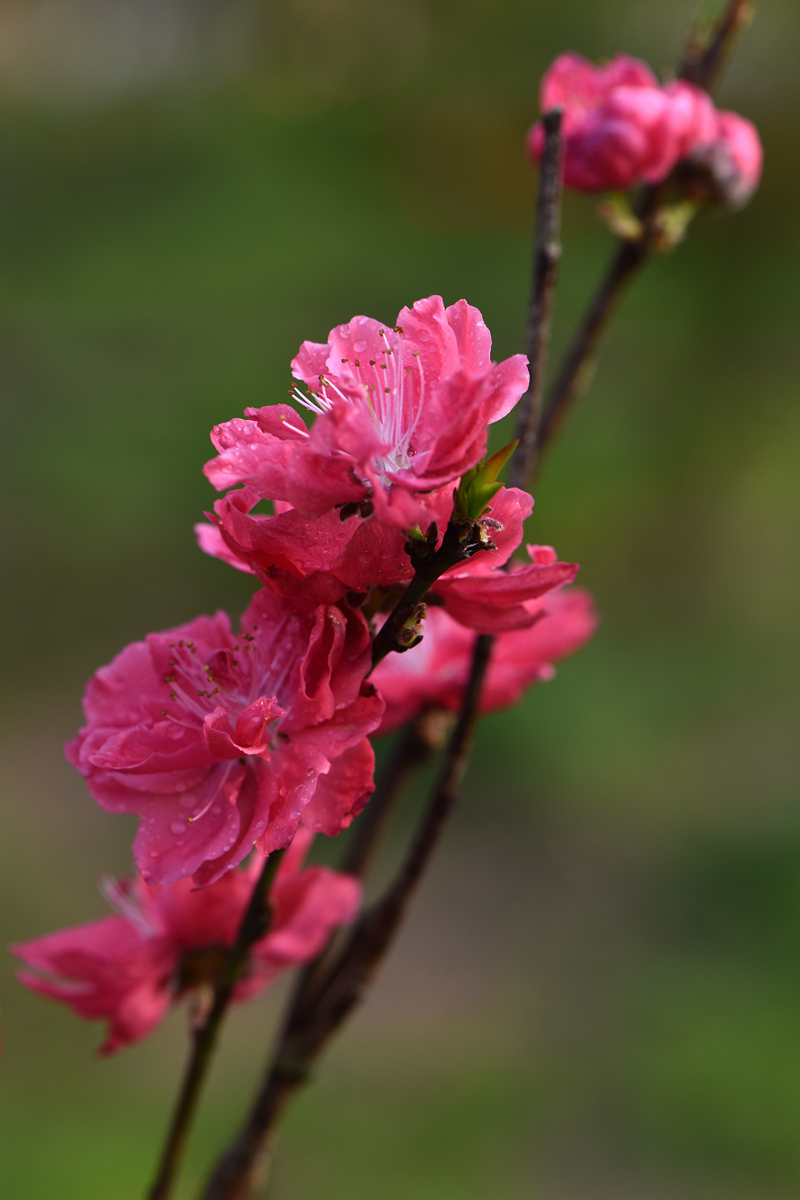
[598, 992]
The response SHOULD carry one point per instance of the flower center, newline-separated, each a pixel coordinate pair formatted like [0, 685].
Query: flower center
[227, 678]
[388, 390]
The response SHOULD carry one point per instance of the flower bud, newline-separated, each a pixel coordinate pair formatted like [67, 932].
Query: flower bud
[726, 169]
[620, 126]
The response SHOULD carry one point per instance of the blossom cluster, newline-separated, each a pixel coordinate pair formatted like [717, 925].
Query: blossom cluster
[621, 128]
[230, 744]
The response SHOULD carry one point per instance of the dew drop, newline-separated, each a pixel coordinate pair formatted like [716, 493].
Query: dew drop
[215, 809]
[154, 855]
[360, 346]
[177, 827]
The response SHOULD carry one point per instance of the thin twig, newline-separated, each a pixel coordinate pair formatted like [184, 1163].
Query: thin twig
[309, 1028]
[415, 745]
[574, 373]
[402, 628]
[703, 60]
[255, 924]
[544, 275]
[701, 65]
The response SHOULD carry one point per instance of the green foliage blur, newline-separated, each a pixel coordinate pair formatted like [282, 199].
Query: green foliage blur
[598, 992]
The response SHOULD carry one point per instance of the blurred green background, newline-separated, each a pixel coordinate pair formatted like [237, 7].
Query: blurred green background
[598, 993]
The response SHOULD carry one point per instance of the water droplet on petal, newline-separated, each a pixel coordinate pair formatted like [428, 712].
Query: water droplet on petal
[154, 854]
[215, 809]
[360, 346]
[177, 827]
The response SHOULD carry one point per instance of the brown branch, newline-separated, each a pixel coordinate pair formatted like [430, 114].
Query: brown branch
[576, 367]
[254, 926]
[311, 1025]
[415, 745]
[544, 275]
[703, 60]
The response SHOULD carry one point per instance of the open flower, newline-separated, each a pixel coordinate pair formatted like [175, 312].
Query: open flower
[620, 126]
[435, 672]
[219, 741]
[400, 412]
[170, 940]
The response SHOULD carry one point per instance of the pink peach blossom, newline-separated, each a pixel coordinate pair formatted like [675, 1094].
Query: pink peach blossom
[620, 126]
[220, 741]
[400, 412]
[129, 969]
[325, 558]
[433, 673]
[726, 168]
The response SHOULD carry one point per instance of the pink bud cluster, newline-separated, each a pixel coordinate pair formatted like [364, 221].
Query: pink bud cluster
[225, 741]
[621, 128]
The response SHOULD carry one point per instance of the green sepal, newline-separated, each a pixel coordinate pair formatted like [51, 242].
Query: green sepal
[620, 218]
[672, 223]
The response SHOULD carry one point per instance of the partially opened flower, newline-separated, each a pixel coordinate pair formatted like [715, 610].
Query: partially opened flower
[400, 412]
[325, 558]
[620, 126]
[172, 939]
[434, 673]
[219, 741]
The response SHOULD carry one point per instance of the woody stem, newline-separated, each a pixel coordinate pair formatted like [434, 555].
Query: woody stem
[255, 924]
[546, 258]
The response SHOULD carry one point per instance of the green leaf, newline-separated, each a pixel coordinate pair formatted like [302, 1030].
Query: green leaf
[479, 486]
